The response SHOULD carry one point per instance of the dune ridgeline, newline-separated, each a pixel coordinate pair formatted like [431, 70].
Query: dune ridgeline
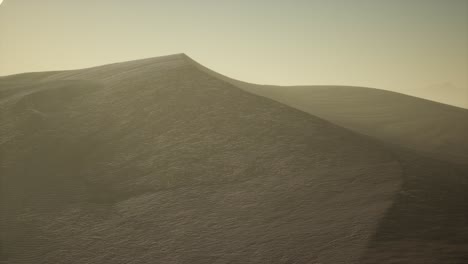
[165, 161]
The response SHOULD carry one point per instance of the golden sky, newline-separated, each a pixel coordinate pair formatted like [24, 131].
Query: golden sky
[411, 46]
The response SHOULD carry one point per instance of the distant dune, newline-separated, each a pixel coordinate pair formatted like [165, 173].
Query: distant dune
[414, 123]
[425, 126]
[445, 92]
[164, 161]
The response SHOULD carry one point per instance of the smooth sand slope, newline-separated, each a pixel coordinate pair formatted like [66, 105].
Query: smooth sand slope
[428, 222]
[428, 127]
[162, 161]
[155, 161]
[424, 126]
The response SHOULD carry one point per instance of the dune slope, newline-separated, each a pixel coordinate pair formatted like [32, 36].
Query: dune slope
[428, 220]
[157, 161]
[430, 128]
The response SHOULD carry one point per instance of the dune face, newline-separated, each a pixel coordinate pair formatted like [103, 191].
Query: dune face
[445, 92]
[428, 221]
[163, 161]
[155, 161]
[428, 127]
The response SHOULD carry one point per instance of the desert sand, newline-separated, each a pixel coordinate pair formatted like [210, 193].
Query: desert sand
[164, 161]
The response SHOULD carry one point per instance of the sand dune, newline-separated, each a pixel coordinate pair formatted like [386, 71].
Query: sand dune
[162, 161]
[428, 221]
[444, 92]
[428, 127]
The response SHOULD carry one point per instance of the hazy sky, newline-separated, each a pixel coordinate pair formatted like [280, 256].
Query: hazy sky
[390, 44]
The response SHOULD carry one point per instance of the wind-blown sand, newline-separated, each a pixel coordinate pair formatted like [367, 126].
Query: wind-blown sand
[163, 161]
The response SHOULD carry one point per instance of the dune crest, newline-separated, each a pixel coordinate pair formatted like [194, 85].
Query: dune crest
[159, 160]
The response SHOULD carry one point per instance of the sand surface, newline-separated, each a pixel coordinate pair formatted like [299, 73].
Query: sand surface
[163, 161]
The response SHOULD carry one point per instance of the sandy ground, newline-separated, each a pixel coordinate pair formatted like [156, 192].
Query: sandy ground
[162, 161]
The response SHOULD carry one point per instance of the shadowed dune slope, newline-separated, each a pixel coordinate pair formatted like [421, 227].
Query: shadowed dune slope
[430, 128]
[428, 221]
[156, 161]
